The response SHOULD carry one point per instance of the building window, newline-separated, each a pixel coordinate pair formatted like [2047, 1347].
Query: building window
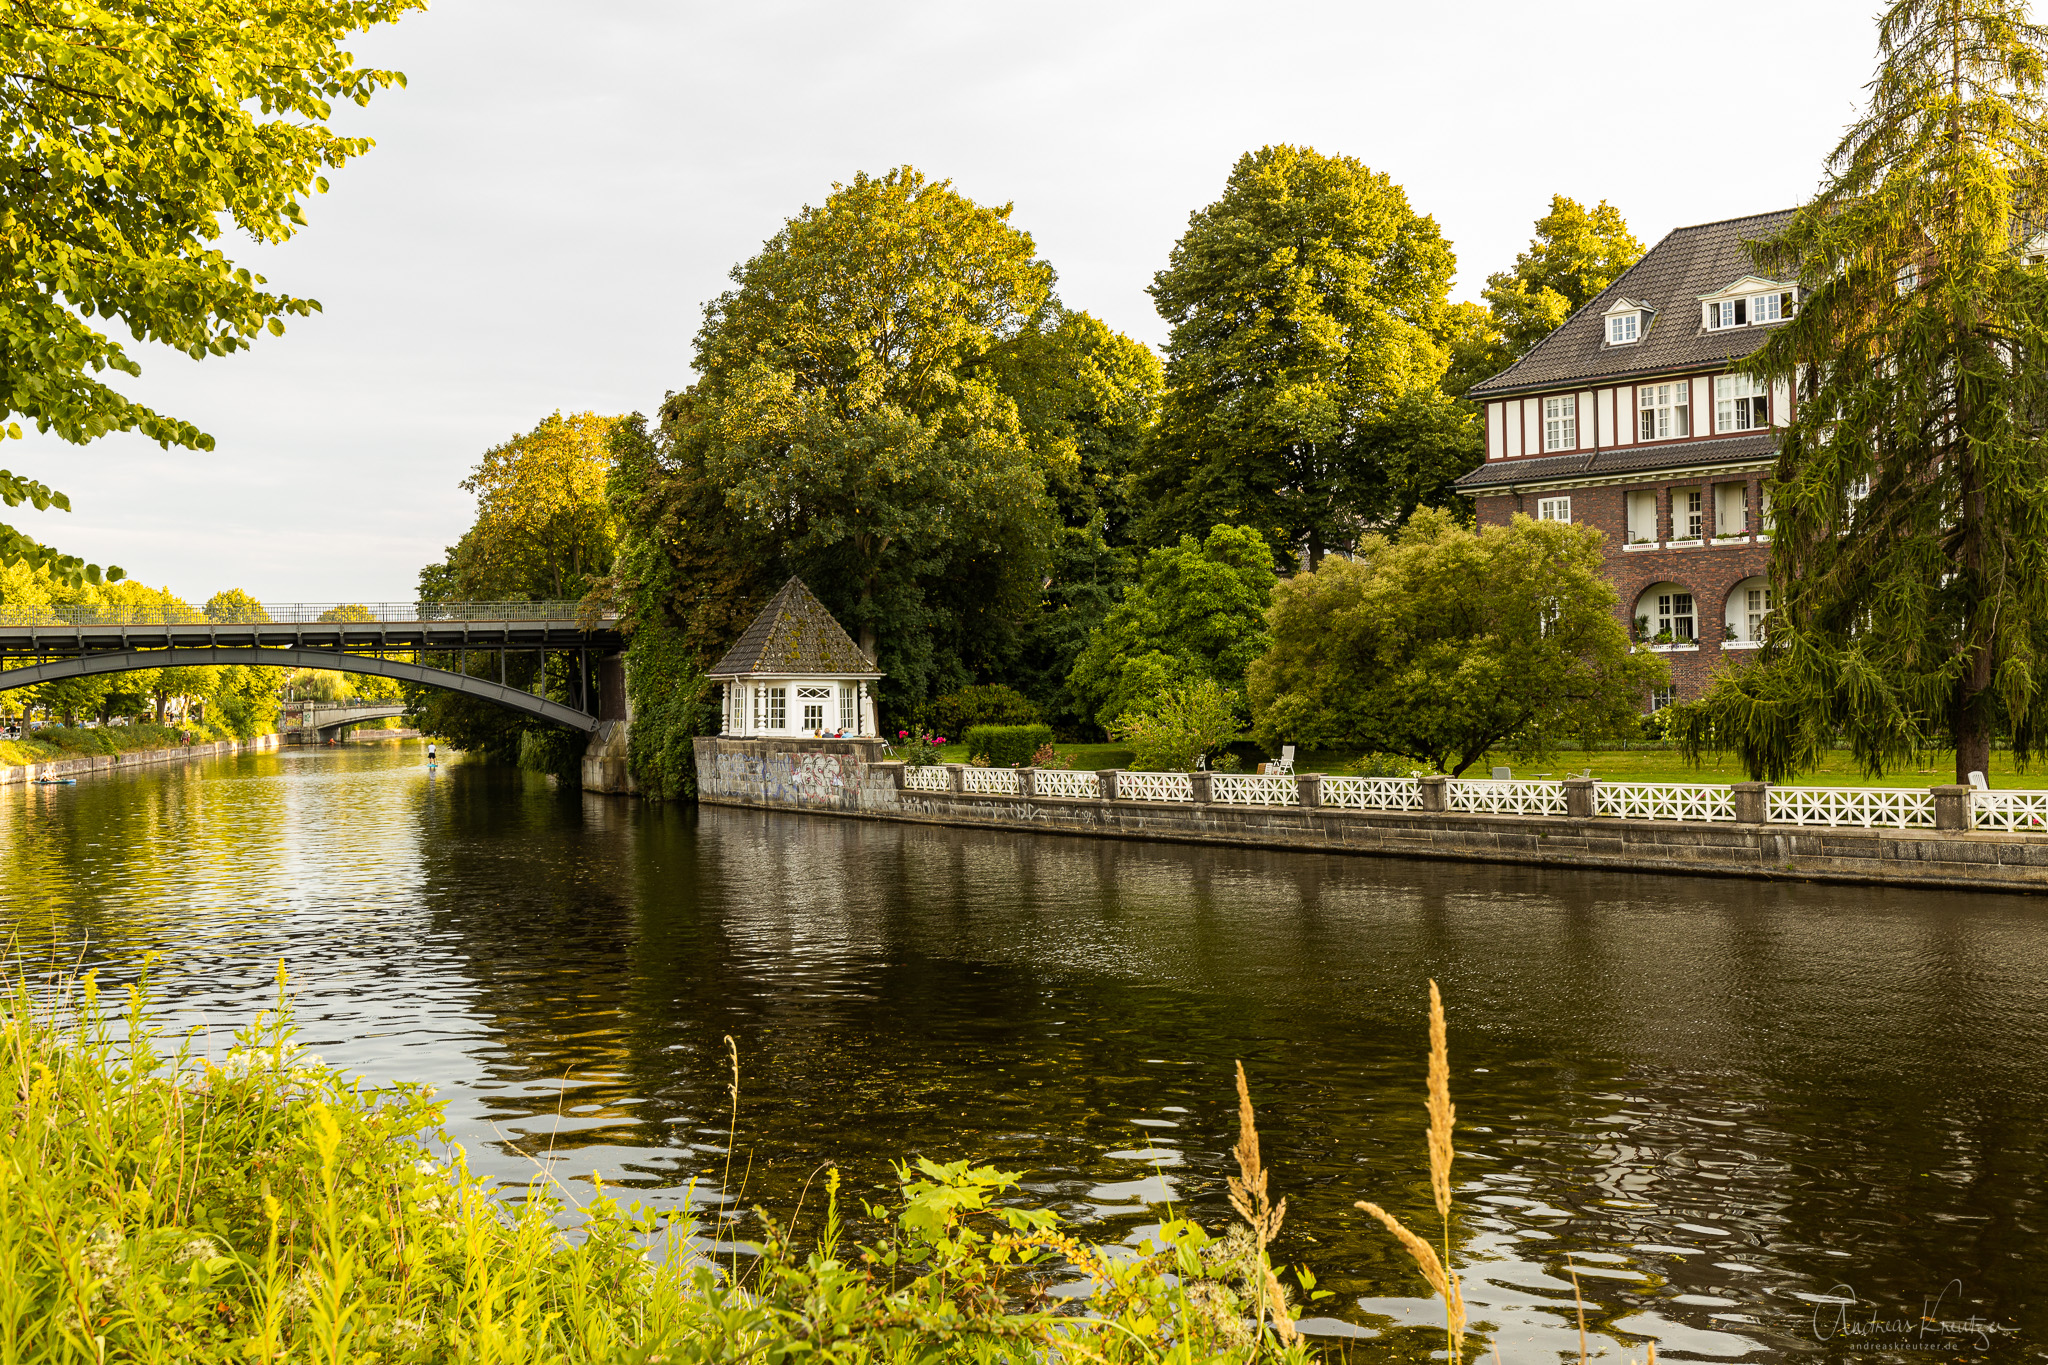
[1731, 509]
[849, 709]
[1554, 509]
[1674, 617]
[1642, 517]
[1661, 697]
[1664, 411]
[1752, 308]
[1756, 606]
[1740, 403]
[1561, 423]
[778, 707]
[1688, 515]
[1623, 329]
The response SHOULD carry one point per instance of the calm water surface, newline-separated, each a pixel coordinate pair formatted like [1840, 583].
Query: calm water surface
[1734, 1107]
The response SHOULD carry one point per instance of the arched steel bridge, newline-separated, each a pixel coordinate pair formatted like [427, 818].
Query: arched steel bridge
[77, 642]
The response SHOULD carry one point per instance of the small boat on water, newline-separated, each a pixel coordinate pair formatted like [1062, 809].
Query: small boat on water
[56, 782]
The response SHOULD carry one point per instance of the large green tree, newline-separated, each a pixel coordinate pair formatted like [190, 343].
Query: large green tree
[133, 134]
[1910, 501]
[1306, 303]
[1576, 253]
[1197, 611]
[544, 531]
[543, 527]
[1444, 643]
[851, 405]
[1089, 396]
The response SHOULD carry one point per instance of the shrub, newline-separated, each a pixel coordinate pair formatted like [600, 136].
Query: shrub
[1007, 746]
[1179, 725]
[1049, 757]
[986, 704]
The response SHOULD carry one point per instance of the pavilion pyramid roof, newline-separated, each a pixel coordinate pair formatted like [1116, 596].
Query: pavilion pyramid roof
[794, 636]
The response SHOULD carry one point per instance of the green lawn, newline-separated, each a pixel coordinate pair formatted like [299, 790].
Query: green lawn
[1095, 757]
[1837, 769]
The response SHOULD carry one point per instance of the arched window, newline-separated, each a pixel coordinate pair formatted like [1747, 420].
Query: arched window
[1665, 615]
[1749, 603]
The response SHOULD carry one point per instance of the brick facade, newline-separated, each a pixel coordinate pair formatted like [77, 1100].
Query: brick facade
[1710, 570]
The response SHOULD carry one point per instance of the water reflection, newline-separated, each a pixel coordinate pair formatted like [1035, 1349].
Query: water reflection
[1714, 1101]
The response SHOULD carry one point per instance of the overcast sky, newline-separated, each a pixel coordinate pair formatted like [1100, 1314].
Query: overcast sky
[563, 186]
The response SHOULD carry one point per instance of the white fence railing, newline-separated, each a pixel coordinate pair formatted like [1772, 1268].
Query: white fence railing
[1664, 801]
[1860, 807]
[1072, 786]
[1503, 796]
[1154, 787]
[989, 781]
[1816, 807]
[2009, 810]
[1254, 789]
[1372, 793]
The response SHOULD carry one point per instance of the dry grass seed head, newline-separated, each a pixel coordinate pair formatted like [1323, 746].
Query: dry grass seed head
[1248, 1196]
[1430, 1264]
[1442, 1113]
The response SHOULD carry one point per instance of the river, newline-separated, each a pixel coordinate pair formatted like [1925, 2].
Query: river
[1754, 1117]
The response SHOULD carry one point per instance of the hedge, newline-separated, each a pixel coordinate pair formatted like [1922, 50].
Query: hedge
[1007, 746]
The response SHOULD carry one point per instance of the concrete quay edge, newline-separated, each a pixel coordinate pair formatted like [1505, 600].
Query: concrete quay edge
[818, 780]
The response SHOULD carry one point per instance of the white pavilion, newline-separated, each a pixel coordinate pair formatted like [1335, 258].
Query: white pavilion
[795, 672]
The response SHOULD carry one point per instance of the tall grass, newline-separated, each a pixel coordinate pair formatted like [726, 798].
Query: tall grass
[160, 1206]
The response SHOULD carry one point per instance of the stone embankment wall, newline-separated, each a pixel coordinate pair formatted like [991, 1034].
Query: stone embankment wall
[846, 777]
[103, 763]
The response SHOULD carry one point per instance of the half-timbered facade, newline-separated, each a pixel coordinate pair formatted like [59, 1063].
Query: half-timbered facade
[1629, 418]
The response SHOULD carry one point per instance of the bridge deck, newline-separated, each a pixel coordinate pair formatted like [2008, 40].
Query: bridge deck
[58, 638]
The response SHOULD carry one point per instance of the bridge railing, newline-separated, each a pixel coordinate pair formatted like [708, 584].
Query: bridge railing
[289, 613]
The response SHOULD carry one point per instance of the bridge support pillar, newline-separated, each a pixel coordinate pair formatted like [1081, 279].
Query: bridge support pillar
[607, 762]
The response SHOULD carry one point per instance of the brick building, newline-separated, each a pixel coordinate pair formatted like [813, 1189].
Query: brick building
[1627, 419]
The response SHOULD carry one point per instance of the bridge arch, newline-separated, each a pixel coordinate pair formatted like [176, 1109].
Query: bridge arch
[129, 660]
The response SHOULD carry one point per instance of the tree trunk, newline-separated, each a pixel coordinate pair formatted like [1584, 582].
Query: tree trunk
[1972, 722]
[1315, 550]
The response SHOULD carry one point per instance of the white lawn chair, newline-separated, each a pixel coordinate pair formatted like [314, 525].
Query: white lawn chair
[1285, 767]
[1977, 783]
[1503, 774]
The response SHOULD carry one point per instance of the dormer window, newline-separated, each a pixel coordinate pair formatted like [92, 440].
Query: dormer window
[1748, 302]
[1627, 321]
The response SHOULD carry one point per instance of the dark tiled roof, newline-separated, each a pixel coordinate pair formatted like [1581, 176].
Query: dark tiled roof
[795, 636]
[1623, 460]
[1689, 262]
